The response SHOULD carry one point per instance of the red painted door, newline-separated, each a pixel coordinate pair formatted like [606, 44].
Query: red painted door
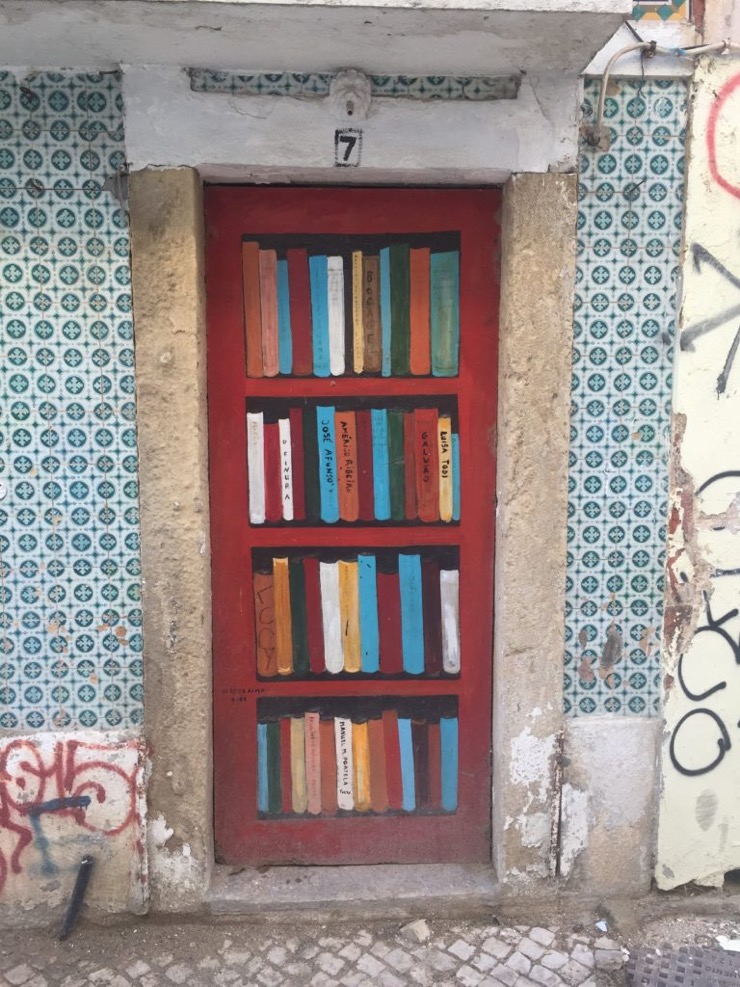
[352, 339]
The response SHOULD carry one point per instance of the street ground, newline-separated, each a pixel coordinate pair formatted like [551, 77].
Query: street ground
[438, 953]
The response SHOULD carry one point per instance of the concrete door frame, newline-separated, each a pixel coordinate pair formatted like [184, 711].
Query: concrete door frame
[537, 278]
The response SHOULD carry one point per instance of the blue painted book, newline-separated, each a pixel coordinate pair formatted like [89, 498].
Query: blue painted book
[455, 477]
[262, 798]
[369, 638]
[445, 312]
[285, 338]
[448, 757]
[407, 765]
[385, 311]
[412, 619]
[328, 490]
[381, 473]
[318, 267]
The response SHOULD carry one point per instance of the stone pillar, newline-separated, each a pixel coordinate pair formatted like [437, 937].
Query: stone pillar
[167, 240]
[537, 277]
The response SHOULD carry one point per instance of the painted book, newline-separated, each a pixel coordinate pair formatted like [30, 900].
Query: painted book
[269, 312]
[314, 616]
[445, 312]
[385, 311]
[392, 759]
[444, 454]
[420, 352]
[396, 465]
[358, 326]
[381, 474]
[371, 325]
[409, 467]
[427, 467]
[286, 469]
[285, 332]
[408, 783]
[273, 496]
[345, 767]
[331, 617]
[326, 437]
[313, 763]
[365, 478]
[349, 615]
[368, 590]
[361, 766]
[300, 312]
[283, 618]
[345, 427]
[299, 618]
[312, 492]
[298, 764]
[286, 768]
[432, 617]
[412, 620]
[335, 289]
[449, 583]
[319, 276]
[389, 623]
[420, 743]
[264, 624]
[256, 466]
[378, 781]
[400, 325]
[297, 463]
[328, 767]
[448, 745]
[274, 788]
[252, 308]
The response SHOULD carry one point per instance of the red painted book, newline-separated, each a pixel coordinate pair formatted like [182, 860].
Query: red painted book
[366, 501]
[286, 783]
[300, 312]
[427, 463]
[313, 616]
[432, 608]
[421, 350]
[273, 498]
[378, 779]
[389, 623]
[409, 466]
[435, 766]
[296, 450]
[328, 768]
[392, 759]
[420, 746]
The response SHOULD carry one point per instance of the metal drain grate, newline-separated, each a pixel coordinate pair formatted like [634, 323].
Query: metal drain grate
[687, 966]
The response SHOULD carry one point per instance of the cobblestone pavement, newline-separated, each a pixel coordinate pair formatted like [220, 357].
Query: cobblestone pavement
[161, 955]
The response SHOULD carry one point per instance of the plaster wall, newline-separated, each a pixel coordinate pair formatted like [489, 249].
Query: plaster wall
[63, 797]
[699, 832]
[278, 138]
[608, 815]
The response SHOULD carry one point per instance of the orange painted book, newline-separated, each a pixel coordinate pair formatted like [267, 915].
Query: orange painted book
[427, 463]
[299, 288]
[283, 618]
[269, 312]
[378, 782]
[264, 624]
[361, 766]
[252, 308]
[392, 759]
[421, 348]
[345, 430]
[286, 780]
[328, 768]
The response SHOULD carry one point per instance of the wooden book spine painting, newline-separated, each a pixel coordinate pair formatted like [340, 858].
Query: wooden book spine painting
[351, 363]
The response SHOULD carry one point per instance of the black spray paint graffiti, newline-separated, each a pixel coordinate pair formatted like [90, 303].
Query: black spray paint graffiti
[701, 255]
[725, 652]
[48, 867]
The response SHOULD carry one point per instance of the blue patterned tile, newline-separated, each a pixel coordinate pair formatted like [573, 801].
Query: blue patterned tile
[630, 211]
[69, 538]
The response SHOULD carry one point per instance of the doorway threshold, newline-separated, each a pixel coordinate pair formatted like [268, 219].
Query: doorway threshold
[370, 891]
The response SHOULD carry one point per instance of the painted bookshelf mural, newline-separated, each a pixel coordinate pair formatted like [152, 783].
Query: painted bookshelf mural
[351, 408]
[354, 461]
[326, 306]
[368, 612]
[357, 755]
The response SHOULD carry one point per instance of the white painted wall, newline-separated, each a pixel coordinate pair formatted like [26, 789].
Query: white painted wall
[249, 138]
[699, 830]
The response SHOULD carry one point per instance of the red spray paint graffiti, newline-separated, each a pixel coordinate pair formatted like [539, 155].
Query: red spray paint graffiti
[74, 780]
[715, 113]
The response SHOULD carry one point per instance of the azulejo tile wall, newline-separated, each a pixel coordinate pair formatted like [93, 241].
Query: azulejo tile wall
[629, 232]
[70, 617]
